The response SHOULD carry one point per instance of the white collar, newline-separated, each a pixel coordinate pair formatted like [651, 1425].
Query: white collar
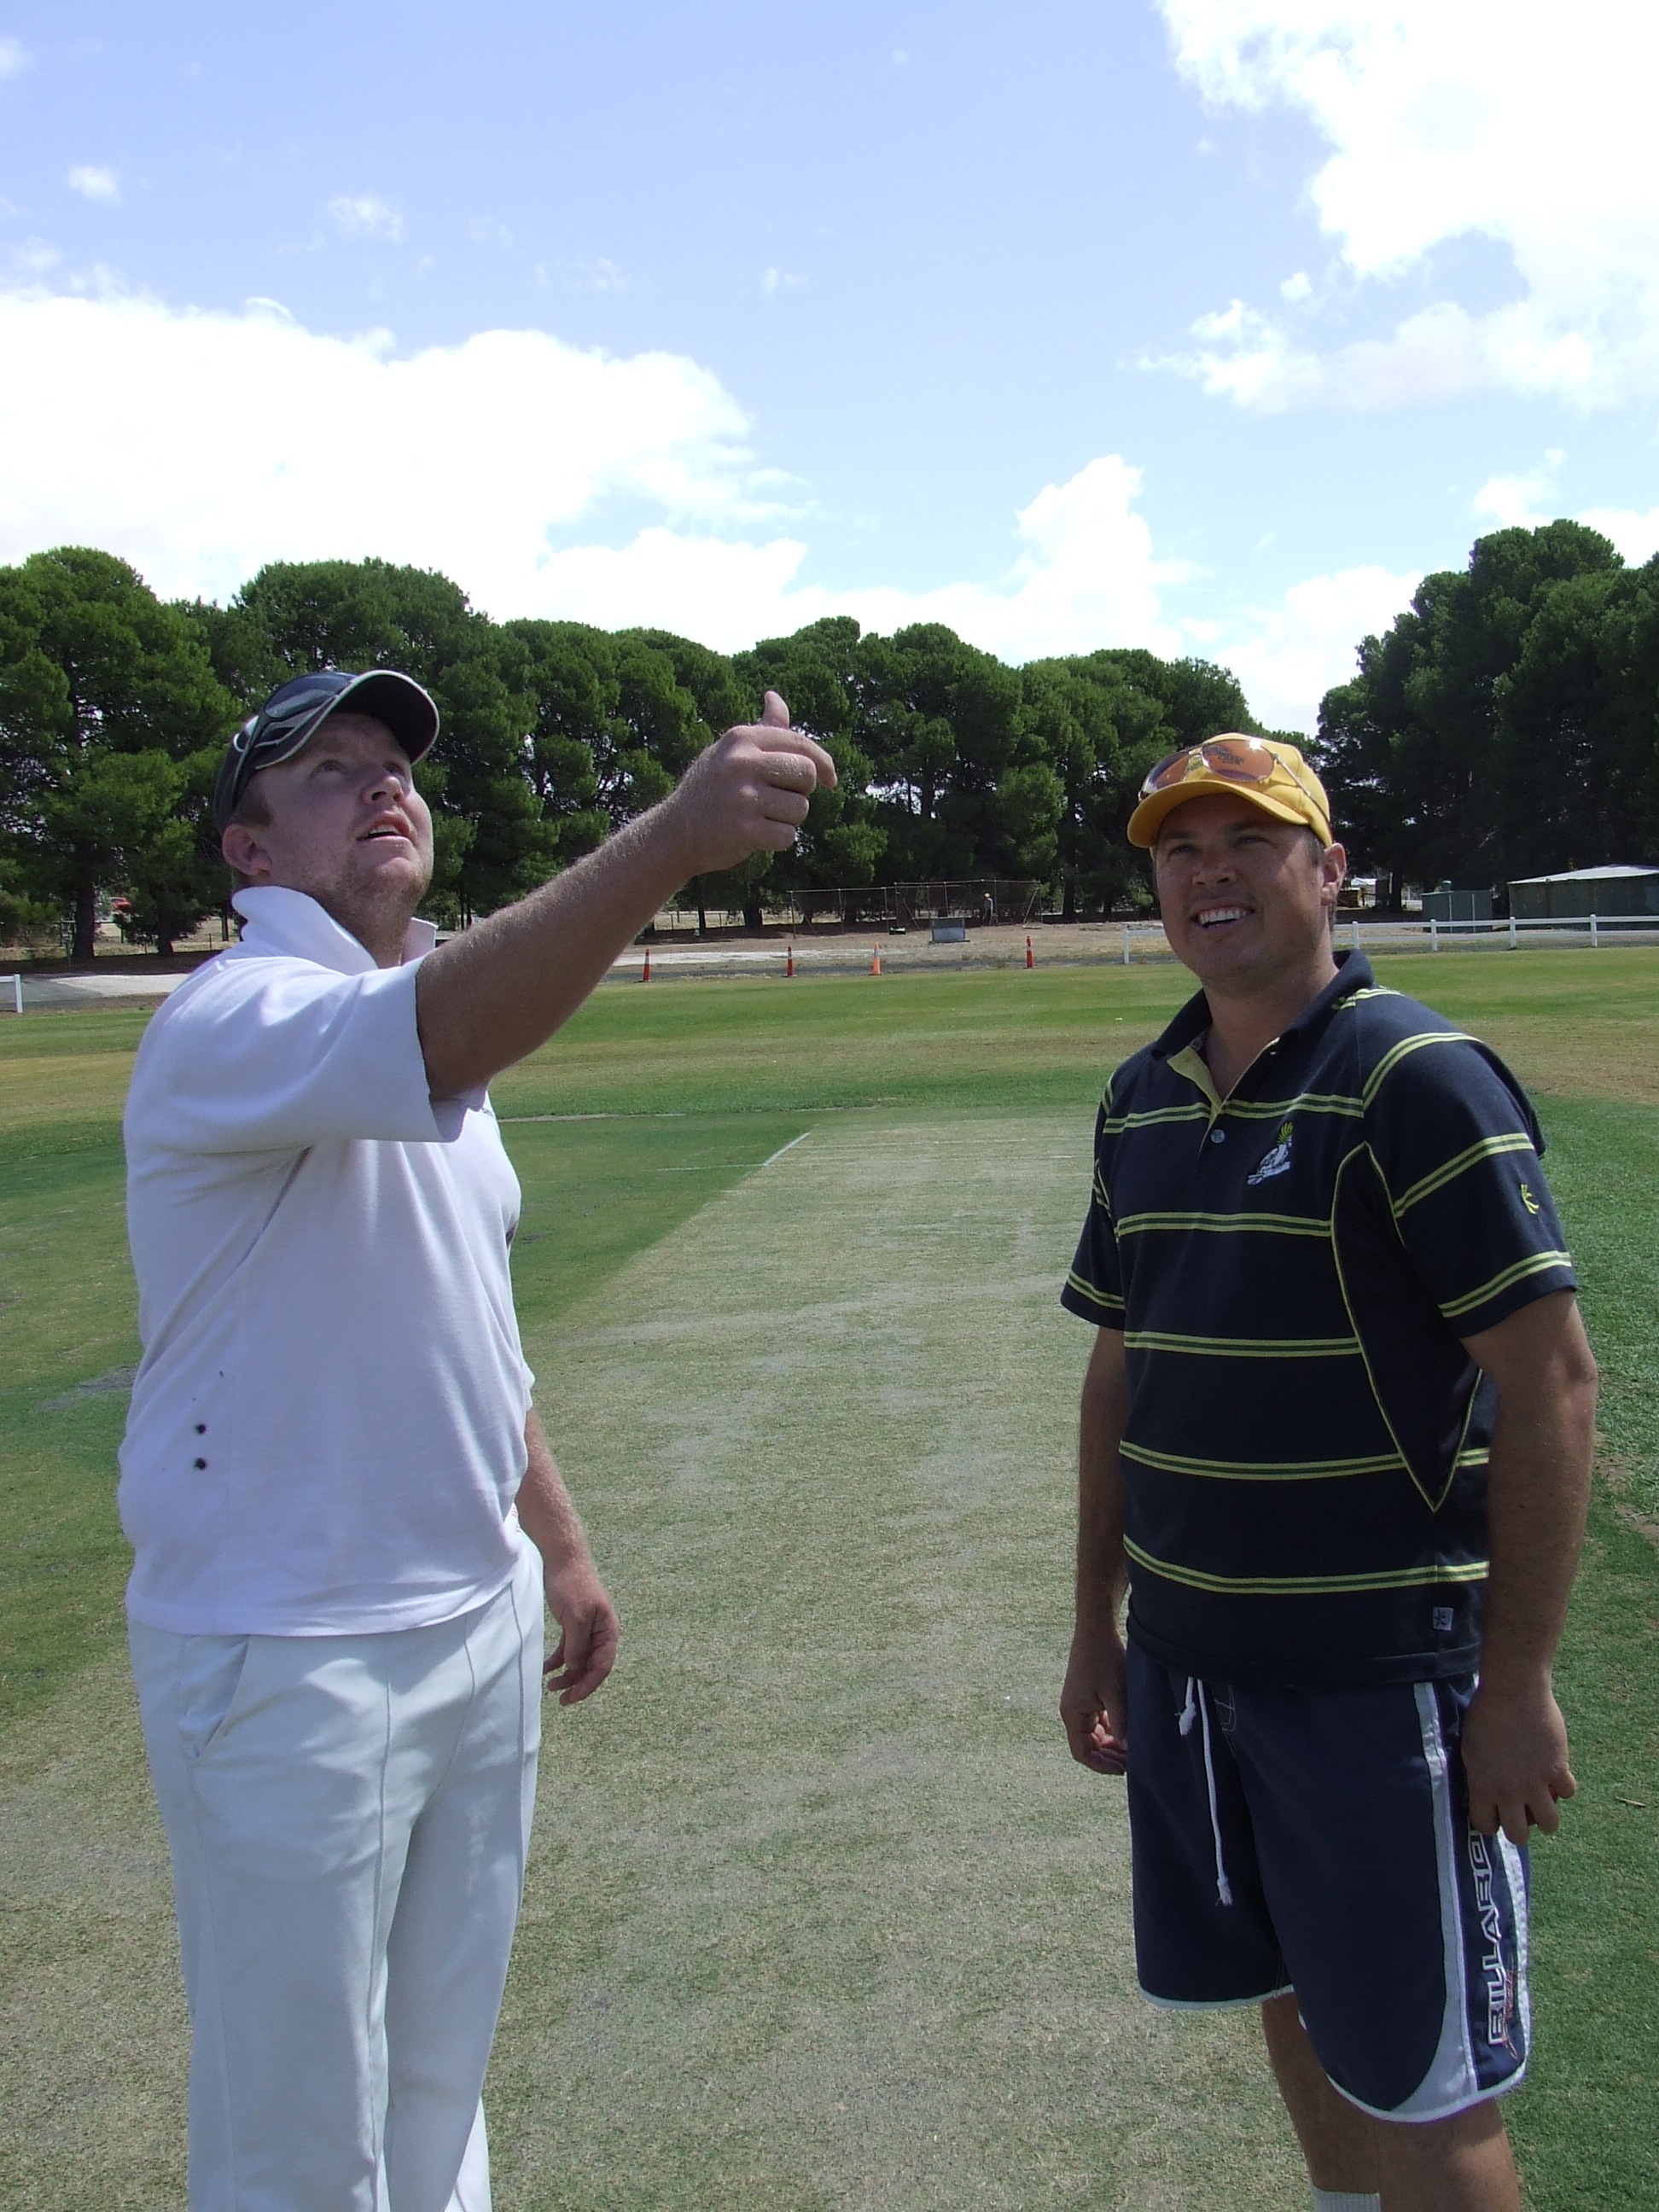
[279, 921]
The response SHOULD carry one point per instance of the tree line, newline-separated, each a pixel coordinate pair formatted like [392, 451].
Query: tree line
[115, 708]
[1505, 725]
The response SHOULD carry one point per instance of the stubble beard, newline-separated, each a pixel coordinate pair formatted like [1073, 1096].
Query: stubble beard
[377, 911]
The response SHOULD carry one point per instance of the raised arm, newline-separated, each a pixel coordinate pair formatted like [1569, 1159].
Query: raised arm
[489, 997]
[1093, 1704]
[1515, 1742]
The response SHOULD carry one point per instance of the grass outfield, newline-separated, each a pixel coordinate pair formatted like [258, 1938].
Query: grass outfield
[821, 1914]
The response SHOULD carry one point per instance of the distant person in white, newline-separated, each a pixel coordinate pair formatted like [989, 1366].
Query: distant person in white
[340, 1500]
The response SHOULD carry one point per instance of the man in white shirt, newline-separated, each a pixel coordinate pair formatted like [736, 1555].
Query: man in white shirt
[339, 1498]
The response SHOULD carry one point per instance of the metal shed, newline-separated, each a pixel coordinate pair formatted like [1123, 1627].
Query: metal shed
[1580, 892]
[1448, 904]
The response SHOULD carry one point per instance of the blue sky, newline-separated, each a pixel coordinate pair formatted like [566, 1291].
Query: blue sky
[727, 316]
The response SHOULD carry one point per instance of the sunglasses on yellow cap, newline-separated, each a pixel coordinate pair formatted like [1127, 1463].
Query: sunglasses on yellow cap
[1232, 760]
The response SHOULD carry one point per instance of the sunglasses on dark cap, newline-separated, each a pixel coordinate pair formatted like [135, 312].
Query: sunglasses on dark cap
[295, 713]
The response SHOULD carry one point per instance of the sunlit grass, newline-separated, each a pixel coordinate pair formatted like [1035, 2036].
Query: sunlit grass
[694, 1084]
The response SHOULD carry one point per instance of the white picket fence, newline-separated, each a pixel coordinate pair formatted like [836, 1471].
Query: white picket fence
[1597, 927]
[1144, 940]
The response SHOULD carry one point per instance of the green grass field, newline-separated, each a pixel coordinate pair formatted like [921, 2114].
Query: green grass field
[820, 1913]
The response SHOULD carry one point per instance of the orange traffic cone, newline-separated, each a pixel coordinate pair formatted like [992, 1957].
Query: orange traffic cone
[1029, 962]
[645, 976]
[875, 960]
[790, 968]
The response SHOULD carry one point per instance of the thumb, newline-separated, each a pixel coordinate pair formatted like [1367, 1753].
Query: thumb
[774, 714]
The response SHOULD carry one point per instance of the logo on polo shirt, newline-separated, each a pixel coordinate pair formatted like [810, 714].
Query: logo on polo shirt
[1528, 1200]
[1277, 1162]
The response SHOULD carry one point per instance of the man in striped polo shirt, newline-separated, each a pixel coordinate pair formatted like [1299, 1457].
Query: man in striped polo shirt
[1336, 1437]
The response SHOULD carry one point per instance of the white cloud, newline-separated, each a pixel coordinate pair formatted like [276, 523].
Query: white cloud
[1507, 503]
[365, 215]
[94, 183]
[1530, 498]
[599, 274]
[1637, 536]
[14, 57]
[1502, 119]
[1086, 576]
[1288, 657]
[1521, 501]
[201, 446]
[34, 258]
[1441, 353]
[779, 280]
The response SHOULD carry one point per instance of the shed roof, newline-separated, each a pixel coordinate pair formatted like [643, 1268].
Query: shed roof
[1585, 875]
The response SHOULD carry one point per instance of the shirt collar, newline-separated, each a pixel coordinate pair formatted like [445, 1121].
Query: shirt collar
[279, 921]
[1353, 973]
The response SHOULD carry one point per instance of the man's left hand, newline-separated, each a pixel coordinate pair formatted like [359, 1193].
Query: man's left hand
[586, 1649]
[1515, 1759]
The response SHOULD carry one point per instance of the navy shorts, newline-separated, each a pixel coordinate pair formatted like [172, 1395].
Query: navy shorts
[1317, 1842]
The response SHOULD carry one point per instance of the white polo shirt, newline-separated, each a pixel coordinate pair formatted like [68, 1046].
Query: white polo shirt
[327, 1429]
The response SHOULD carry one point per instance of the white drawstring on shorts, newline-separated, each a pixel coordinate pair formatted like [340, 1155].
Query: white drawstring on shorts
[1198, 1707]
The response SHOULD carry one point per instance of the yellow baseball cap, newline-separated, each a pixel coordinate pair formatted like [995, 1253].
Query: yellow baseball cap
[1271, 775]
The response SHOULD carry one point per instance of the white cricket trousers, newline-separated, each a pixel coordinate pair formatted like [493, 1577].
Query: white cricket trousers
[348, 1817]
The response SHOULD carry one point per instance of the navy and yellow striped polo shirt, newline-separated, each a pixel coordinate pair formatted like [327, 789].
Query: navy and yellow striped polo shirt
[1294, 1269]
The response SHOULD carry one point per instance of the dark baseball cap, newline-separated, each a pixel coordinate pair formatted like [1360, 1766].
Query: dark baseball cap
[295, 713]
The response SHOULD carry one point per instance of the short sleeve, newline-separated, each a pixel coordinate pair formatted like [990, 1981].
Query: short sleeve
[1094, 1289]
[269, 1054]
[1458, 1146]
